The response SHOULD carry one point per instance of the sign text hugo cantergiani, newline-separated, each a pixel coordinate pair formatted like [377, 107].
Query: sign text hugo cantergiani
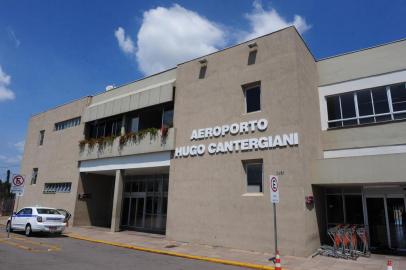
[265, 142]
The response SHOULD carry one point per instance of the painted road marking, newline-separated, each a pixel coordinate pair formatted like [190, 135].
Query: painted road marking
[28, 245]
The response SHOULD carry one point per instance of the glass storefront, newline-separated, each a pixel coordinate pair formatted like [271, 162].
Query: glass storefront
[145, 203]
[382, 210]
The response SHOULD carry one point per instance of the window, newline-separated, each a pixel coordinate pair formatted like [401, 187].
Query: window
[202, 72]
[50, 188]
[34, 176]
[67, 124]
[335, 212]
[252, 56]
[25, 211]
[167, 121]
[47, 211]
[398, 96]
[374, 105]
[133, 124]
[106, 127]
[252, 98]
[253, 171]
[41, 137]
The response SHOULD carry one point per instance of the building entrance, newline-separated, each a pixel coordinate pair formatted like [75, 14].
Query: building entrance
[386, 222]
[145, 203]
[381, 210]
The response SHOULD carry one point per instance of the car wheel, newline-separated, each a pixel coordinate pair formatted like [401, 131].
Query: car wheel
[28, 230]
[8, 227]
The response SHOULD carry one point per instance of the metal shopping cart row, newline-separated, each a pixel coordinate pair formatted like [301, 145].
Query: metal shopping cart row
[348, 242]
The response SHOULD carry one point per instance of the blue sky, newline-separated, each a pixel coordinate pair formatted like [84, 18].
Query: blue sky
[52, 52]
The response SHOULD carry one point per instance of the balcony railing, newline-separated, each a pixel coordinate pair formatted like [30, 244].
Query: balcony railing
[146, 141]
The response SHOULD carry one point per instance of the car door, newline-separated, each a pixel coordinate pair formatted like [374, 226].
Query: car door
[17, 220]
[26, 217]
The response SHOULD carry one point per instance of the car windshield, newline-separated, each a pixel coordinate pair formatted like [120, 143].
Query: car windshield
[47, 211]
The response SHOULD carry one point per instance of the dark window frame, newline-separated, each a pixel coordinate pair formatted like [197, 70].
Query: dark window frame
[372, 106]
[250, 183]
[73, 122]
[256, 86]
[34, 176]
[41, 137]
[252, 57]
[202, 72]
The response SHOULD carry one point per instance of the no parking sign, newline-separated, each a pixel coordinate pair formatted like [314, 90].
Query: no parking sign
[274, 187]
[17, 185]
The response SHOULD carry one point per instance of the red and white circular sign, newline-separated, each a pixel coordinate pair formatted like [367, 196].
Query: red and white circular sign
[18, 180]
[274, 184]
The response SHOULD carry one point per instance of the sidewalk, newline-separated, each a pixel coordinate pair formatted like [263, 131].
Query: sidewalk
[160, 243]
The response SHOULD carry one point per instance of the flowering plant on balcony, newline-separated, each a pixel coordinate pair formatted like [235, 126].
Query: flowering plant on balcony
[137, 136]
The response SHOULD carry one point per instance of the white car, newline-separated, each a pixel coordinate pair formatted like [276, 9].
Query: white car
[37, 219]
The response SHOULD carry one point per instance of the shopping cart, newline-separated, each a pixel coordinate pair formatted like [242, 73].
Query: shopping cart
[345, 242]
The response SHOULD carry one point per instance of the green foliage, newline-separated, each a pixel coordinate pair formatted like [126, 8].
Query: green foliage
[123, 139]
[137, 136]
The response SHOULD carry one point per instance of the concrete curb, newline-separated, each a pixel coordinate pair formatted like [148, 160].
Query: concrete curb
[175, 254]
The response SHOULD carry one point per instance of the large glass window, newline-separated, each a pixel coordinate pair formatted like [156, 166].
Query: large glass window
[365, 107]
[375, 105]
[398, 94]
[353, 209]
[335, 212]
[50, 188]
[106, 127]
[381, 105]
[67, 124]
[253, 171]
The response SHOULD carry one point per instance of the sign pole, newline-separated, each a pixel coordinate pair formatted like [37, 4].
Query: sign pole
[274, 196]
[275, 228]
[17, 187]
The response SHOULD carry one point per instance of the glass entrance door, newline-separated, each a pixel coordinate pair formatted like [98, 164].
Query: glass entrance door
[145, 203]
[387, 222]
[377, 223]
[397, 222]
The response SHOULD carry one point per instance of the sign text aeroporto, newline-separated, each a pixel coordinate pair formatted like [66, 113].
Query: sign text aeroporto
[265, 142]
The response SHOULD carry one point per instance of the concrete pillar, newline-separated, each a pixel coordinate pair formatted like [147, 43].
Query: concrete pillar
[117, 201]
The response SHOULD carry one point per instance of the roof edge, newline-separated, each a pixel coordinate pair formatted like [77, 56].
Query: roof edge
[363, 49]
[249, 41]
[58, 106]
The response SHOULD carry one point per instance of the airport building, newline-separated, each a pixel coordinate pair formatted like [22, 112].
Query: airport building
[189, 152]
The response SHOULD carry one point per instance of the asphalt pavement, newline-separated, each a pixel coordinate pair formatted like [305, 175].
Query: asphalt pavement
[41, 252]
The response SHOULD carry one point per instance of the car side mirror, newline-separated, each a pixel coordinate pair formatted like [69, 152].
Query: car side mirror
[14, 213]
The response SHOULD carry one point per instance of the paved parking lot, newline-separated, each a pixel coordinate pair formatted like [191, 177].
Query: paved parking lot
[46, 252]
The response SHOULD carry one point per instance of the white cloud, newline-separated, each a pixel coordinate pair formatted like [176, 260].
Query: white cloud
[267, 21]
[126, 44]
[169, 36]
[20, 146]
[5, 92]
[11, 160]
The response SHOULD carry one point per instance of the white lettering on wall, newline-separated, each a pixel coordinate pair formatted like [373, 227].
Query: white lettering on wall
[250, 144]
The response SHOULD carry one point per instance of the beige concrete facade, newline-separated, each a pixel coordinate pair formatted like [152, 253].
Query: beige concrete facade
[56, 159]
[208, 201]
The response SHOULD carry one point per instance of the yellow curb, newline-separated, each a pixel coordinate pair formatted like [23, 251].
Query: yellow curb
[176, 254]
